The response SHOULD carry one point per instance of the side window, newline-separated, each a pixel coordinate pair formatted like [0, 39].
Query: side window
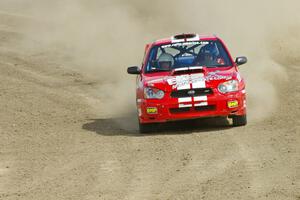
[223, 54]
[152, 56]
[159, 52]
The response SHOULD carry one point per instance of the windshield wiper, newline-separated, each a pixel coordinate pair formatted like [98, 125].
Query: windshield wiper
[160, 70]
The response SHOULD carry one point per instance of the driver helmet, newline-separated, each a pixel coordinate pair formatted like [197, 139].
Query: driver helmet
[210, 50]
[165, 61]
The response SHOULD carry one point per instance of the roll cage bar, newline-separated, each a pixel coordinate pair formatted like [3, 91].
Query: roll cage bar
[183, 50]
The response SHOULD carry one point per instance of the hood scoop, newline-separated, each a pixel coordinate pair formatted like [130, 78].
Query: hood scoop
[187, 70]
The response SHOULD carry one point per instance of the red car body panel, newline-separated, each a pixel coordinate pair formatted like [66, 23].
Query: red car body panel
[171, 108]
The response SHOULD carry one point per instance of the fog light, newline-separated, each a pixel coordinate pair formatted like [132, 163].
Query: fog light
[232, 104]
[152, 110]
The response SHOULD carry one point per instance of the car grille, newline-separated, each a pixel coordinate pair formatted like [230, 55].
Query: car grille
[179, 110]
[205, 108]
[198, 108]
[197, 92]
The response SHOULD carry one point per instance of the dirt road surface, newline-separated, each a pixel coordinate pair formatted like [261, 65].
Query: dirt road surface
[54, 144]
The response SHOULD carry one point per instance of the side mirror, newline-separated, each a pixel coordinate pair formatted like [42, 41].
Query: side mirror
[133, 70]
[241, 60]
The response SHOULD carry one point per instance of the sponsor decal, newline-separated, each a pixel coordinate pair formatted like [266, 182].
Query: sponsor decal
[179, 44]
[155, 80]
[152, 110]
[212, 76]
[184, 81]
[233, 104]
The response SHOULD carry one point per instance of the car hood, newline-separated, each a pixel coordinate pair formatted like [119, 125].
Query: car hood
[182, 78]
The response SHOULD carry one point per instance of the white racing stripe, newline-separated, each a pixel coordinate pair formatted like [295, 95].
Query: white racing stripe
[176, 41]
[198, 81]
[183, 82]
[185, 105]
[201, 104]
[184, 100]
[192, 81]
[201, 98]
[198, 85]
[184, 87]
[196, 38]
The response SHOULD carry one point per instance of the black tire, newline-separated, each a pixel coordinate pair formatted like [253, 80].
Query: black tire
[147, 128]
[239, 120]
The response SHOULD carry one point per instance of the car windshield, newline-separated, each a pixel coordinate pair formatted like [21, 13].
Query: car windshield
[185, 54]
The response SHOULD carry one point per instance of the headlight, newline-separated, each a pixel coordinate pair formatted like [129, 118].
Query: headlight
[229, 86]
[153, 93]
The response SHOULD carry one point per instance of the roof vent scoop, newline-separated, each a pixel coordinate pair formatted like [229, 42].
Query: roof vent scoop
[185, 36]
[187, 70]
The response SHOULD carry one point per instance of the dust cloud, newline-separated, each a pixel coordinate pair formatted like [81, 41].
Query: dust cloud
[104, 37]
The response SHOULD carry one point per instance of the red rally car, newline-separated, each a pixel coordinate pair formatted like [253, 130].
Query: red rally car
[189, 76]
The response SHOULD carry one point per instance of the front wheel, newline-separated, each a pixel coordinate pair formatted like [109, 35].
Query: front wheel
[239, 120]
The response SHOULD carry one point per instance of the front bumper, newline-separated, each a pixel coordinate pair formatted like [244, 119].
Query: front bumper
[169, 109]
